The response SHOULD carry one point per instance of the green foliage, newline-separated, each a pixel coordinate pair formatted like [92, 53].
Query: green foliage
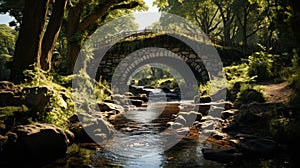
[61, 106]
[87, 92]
[285, 130]
[154, 75]
[102, 90]
[7, 39]
[205, 89]
[212, 87]
[238, 74]
[251, 95]
[165, 83]
[11, 116]
[4, 70]
[241, 83]
[260, 65]
[202, 13]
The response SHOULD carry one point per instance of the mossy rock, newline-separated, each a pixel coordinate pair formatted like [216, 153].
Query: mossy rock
[251, 95]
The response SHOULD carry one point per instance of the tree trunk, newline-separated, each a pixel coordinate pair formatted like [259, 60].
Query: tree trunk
[226, 33]
[28, 45]
[73, 52]
[244, 27]
[73, 38]
[51, 34]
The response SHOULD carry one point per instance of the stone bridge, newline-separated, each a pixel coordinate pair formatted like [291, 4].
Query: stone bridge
[192, 59]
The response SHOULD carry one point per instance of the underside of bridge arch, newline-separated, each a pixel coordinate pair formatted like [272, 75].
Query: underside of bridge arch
[123, 74]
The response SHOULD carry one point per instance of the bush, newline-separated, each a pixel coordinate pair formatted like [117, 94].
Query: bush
[251, 95]
[285, 130]
[238, 74]
[60, 106]
[260, 65]
[5, 59]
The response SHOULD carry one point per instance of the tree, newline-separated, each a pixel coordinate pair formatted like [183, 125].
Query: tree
[7, 43]
[250, 17]
[225, 8]
[202, 13]
[7, 39]
[83, 19]
[36, 41]
[39, 29]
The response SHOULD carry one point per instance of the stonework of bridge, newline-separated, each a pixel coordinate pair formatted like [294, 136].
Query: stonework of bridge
[174, 51]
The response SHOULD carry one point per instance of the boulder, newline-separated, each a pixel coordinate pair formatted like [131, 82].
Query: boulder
[226, 155]
[34, 144]
[177, 125]
[136, 102]
[255, 146]
[9, 86]
[202, 99]
[6, 98]
[128, 94]
[3, 140]
[91, 128]
[249, 96]
[228, 113]
[10, 94]
[136, 90]
[36, 98]
[203, 108]
[105, 106]
[142, 97]
[191, 117]
[166, 90]
[228, 105]
[6, 85]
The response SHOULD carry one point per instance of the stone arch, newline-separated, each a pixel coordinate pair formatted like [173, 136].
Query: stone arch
[175, 49]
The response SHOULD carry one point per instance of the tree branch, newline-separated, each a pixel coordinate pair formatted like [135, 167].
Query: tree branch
[101, 11]
[213, 18]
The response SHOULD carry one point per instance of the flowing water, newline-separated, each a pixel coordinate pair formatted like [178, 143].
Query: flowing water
[143, 142]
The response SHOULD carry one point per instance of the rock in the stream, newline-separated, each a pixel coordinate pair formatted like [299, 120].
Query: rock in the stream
[136, 102]
[202, 99]
[142, 97]
[105, 106]
[203, 108]
[190, 117]
[34, 144]
[228, 113]
[255, 146]
[226, 155]
[91, 128]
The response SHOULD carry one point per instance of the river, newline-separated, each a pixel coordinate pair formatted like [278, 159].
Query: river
[142, 143]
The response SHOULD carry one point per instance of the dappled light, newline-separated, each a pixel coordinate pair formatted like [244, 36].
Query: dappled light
[149, 83]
